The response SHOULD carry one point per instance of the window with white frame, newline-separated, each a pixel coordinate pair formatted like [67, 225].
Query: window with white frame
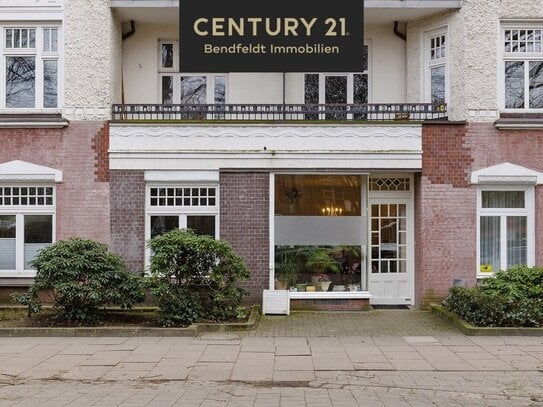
[505, 228]
[337, 88]
[31, 63]
[186, 88]
[27, 218]
[436, 51]
[171, 207]
[523, 67]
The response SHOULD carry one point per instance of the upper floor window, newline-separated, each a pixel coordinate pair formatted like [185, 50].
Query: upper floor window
[337, 88]
[523, 67]
[436, 70]
[186, 88]
[30, 60]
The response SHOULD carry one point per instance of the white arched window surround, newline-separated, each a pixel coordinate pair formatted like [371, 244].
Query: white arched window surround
[505, 217]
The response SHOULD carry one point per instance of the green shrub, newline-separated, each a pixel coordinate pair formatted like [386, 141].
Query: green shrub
[83, 276]
[195, 277]
[512, 298]
[518, 283]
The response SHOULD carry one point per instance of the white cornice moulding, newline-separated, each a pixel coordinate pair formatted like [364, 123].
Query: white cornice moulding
[506, 173]
[14, 171]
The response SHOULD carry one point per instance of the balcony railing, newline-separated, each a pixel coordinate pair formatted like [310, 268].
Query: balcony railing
[369, 112]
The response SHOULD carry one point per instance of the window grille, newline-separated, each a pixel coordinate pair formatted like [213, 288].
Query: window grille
[437, 47]
[390, 184]
[523, 40]
[26, 196]
[183, 196]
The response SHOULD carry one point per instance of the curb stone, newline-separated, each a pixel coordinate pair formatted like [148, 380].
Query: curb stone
[470, 330]
[191, 331]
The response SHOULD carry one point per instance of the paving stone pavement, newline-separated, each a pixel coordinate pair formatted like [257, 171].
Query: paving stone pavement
[375, 322]
[428, 365]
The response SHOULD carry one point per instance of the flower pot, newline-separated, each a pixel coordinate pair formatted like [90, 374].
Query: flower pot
[314, 280]
[280, 285]
[310, 288]
[325, 285]
[301, 287]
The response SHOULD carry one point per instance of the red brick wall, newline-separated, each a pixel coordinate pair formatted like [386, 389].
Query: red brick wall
[128, 216]
[446, 203]
[82, 199]
[244, 219]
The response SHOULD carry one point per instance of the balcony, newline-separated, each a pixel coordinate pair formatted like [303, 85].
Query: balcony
[336, 113]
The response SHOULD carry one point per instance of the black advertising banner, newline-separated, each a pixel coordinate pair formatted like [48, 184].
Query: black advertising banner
[271, 36]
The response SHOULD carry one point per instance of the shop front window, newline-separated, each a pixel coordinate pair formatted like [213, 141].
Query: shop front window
[320, 235]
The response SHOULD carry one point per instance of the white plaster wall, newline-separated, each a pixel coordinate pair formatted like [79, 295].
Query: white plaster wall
[474, 54]
[387, 65]
[89, 27]
[140, 62]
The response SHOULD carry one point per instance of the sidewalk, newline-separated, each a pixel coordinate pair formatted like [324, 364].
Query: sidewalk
[405, 358]
[232, 370]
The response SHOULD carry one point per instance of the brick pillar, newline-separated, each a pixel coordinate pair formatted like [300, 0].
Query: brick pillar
[128, 216]
[245, 206]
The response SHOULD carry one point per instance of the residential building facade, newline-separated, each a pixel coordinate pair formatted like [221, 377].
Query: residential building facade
[420, 170]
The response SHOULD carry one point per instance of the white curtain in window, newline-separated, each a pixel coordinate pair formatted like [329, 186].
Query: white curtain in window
[490, 242]
[516, 240]
[7, 254]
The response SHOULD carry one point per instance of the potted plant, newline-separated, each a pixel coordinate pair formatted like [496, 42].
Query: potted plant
[320, 261]
[324, 282]
[288, 267]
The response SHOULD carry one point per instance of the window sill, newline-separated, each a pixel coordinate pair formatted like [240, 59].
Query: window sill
[533, 121]
[330, 295]
[32, 120]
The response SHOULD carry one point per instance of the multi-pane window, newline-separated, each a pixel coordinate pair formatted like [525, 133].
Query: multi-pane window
[26, 225]
[183, 88]
[505, 221]
[523, 68]
[183, 196]
[436, 83]
[171, 207]
[337, 89]
[389, 238]
[30, 62]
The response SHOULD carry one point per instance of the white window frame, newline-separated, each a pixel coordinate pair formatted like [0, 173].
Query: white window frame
[503, 213]
[41, 56]
[20, 211]
[525, 57]
[182, 211]
[350, 81]
[176, 76]
[429, 64]
[318, 294]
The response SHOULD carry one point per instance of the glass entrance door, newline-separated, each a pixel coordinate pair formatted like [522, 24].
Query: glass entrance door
[391, 277]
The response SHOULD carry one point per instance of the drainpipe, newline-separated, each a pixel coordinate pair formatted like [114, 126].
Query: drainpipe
[398, 33]
[132, 30]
